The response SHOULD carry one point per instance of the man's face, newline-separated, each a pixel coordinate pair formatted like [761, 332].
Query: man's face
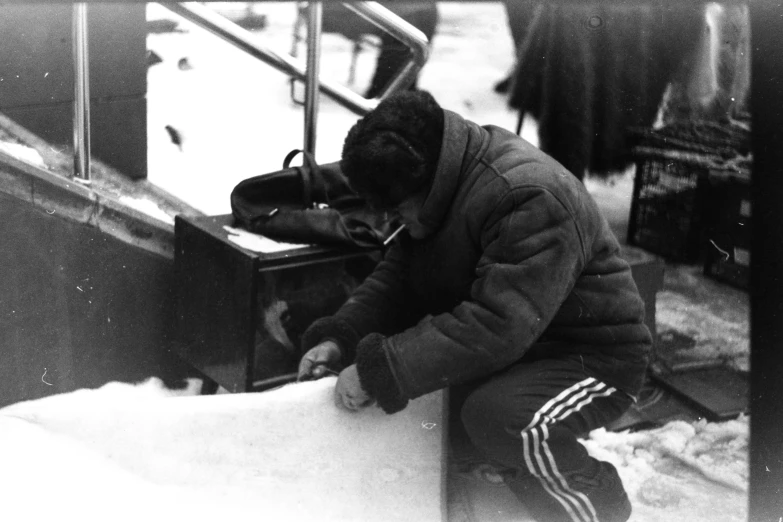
[409, 215]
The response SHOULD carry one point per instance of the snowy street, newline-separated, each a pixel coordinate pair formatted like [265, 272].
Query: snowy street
[236, 116]
[131, 452]
[237, 120]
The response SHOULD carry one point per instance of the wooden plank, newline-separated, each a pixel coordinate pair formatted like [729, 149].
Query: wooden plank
[720, 393]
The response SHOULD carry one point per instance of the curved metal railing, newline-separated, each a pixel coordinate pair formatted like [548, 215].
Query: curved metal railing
[213, 22]
[407, 34]
[81, 100]
[373, 12]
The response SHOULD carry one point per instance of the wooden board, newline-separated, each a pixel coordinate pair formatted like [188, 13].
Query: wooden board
[719, 393]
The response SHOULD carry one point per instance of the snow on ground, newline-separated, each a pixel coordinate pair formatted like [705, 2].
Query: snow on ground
[715, 337]
[681, 471]
[235, 114]
[22, 152]
[131, 453]
[124, 451]
[236, 119]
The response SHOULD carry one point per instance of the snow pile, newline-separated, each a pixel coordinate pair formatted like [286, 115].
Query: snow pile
[130, 453]
[256, 242]
[146, 452]
[109, 395]
[22, 152]
[148, 207]
[236, 117]
[716, 337]
[681, 471]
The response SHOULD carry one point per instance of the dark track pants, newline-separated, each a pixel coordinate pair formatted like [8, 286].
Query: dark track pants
[527, 420]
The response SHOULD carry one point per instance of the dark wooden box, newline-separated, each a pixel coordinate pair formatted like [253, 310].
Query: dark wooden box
[647, 271]
[240, 313]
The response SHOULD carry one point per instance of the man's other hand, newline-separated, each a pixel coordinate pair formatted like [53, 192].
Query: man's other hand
[348, 392]
[320, 360]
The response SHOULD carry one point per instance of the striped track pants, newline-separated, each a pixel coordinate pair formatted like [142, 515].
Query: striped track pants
[528, 418]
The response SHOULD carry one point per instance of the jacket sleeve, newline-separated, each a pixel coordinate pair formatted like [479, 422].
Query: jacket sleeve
[379, 305]
[532, 255]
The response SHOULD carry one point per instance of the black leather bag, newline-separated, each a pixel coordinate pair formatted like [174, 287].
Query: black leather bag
[311, 204]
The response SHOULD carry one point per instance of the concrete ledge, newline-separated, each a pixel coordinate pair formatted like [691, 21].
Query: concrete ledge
[134, 211]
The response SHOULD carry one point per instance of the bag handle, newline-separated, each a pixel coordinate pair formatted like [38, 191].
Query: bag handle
[310, 176]
[308, 159]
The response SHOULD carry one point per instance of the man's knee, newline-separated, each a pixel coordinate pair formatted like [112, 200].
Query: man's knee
[490, 419]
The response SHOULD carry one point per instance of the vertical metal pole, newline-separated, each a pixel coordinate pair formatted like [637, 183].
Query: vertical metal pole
[766, 278]
[314, 16]
[81, 104]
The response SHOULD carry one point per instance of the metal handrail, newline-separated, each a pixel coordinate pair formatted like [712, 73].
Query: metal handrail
[371, 11]
[81, 103]
[314, 19]
[403, 31]
[204, 17]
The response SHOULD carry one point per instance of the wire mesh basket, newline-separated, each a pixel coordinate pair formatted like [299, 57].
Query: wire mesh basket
[676, 171]
[667, 208]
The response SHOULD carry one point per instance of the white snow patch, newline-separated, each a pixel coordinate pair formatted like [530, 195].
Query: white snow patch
[716, 337]
[682, 471]
[236, 116]
[23, 152]
[147, 207]
[256, 242]
[131, 453]
[110, 393]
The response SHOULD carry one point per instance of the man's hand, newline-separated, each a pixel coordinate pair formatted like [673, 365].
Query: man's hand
[319, 360]
[348, 392]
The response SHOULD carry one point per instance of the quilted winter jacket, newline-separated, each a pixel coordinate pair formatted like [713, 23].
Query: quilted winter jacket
[520, 264]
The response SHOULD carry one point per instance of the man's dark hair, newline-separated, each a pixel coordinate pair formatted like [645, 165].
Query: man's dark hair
[392, 153]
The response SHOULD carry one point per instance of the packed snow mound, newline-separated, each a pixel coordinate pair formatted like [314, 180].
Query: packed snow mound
[127, 452]
[681, 471]
[152, 388]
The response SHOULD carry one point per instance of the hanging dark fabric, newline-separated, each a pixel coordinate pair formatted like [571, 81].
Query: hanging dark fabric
[590, 71]
[310, 204]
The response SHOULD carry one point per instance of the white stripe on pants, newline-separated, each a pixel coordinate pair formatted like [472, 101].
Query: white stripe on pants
[539, 459]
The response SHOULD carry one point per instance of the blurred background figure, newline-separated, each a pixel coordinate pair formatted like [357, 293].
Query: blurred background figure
[392, 54]
[591, 73]
[519, 14]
